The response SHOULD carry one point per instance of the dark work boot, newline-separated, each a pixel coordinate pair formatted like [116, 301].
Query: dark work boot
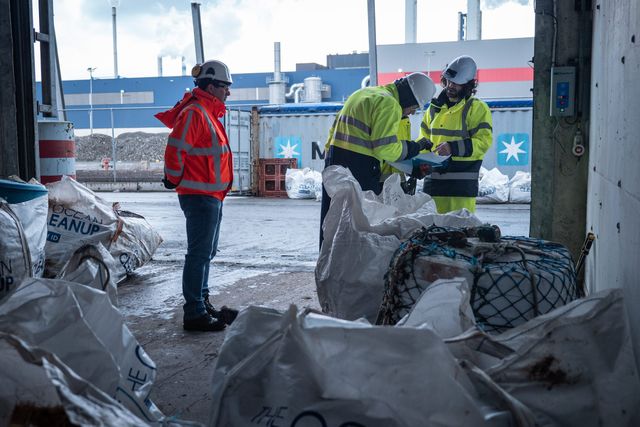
[226, 314]
[204, 323]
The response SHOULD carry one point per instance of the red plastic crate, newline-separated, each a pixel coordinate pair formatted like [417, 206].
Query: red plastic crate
[271, 175]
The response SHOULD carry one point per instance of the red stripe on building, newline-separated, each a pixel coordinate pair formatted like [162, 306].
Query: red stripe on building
[52, 149]
[485, 75]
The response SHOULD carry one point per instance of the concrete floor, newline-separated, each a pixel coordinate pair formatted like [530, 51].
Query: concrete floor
[267, 254]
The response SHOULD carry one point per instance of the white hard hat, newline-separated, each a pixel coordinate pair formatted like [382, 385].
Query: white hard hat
[422, 87]
[461, 70]
[214, 70]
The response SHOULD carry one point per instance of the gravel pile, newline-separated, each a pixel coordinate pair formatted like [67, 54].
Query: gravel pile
[130, 147]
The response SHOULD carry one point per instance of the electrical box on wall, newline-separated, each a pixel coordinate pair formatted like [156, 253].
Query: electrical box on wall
[563, 91]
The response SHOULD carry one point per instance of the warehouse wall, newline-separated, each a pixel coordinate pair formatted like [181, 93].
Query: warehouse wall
[613, 207]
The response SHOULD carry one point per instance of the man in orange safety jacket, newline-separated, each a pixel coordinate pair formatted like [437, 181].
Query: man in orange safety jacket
[198, 164]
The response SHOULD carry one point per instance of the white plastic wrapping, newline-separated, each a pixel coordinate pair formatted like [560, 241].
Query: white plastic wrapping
[82, 328]
[361, 233]
[520, 188]
[493, 187]
[77, 217]
[303, 183]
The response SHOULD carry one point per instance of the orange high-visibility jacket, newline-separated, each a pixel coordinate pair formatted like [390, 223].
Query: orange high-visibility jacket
[198, 157]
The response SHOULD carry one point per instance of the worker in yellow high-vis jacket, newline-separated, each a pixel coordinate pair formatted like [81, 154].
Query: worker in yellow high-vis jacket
[458, 124]
[364, 134]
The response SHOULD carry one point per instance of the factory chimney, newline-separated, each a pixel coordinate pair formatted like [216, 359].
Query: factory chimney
[473, 20]
[410, 20]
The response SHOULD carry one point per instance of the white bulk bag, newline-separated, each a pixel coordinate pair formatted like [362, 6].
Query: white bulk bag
[91, 265]
[361, 233]
[297, 369]
[300, 183]
[81, 327]
[493, 187]
[77, 216]
[37, 385]
[22, 241]
[520, 188]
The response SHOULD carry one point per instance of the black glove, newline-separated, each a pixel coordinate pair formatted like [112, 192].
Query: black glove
[425, 144]
[168, 184]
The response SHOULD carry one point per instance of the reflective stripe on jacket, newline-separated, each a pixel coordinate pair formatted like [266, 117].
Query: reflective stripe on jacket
[198, 158]
[404, 134]
[467, 126]
[368, 124]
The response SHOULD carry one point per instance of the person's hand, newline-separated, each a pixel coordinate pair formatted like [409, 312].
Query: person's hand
[444, 149]
[425, 144]
[168, 184]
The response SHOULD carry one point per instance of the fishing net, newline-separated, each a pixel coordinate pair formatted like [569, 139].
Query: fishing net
[513, 279]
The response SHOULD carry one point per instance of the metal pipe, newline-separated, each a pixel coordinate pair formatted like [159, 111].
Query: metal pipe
[197, 32]
[113, 147]
[115, 43]
[159, 66]
[293, 89]
[373, 56]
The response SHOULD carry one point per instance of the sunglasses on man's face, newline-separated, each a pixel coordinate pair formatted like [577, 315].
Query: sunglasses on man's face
[221, 85]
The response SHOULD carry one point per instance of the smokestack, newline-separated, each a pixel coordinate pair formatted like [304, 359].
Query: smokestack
[276, 60]
[114, 4]
[474, 20]
[410, 20]
[159, 65]
[184, 66]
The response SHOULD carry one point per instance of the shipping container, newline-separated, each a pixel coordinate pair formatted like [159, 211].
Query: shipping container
[300, 131]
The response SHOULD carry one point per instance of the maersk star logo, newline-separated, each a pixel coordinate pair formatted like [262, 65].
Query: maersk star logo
[288, 151]
[288, 147]
[513, 149]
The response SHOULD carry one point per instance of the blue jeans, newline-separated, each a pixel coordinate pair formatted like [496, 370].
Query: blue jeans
[203, 215]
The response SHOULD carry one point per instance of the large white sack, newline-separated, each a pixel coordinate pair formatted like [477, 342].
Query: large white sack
[361, 233]
[574, 366]
[302, 183]
[22, 241]
[493, 187]
[77, 216]
[36, 382]
[520, 188]
[91, 265]
[82, 328]
[296, 369]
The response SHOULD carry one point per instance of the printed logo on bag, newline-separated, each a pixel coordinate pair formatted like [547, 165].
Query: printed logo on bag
[512, 149]
[6, 276]
[71, 220]
[288, 147]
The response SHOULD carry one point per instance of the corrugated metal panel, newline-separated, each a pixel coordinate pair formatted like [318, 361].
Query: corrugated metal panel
[238, 126]
[295, 131]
